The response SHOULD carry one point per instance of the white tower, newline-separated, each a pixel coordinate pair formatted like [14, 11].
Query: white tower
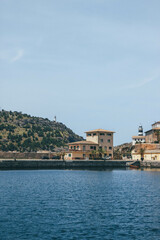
[55, 119]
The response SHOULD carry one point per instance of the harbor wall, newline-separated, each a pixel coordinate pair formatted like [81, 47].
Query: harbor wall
[74, 164]
[150, 164]
[60, 164]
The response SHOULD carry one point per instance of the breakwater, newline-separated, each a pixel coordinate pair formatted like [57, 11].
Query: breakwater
[60, 164]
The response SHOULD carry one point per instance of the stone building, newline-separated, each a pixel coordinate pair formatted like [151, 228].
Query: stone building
[98, 140]
[153, 135]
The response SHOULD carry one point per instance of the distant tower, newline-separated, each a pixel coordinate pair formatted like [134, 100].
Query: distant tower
[140, 131]
[55, 119]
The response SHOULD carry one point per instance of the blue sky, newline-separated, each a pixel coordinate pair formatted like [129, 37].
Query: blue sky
[92, 63]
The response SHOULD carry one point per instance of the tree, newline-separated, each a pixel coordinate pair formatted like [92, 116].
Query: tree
[141, 152]
[101, 152]
[62, 154]
[93, 154]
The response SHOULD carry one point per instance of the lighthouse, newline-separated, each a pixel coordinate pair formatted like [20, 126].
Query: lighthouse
[140, 131]
[140, 138]
[55, 119]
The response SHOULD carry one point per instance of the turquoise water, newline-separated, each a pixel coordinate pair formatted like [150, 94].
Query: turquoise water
[60, 204]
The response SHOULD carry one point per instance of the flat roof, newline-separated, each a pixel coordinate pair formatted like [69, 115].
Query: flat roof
[99, 130]
[149, 130]
[152, 151]
[83, 143]
[138, 137]
[152, 129]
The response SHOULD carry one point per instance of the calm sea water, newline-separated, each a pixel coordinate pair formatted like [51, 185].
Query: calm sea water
[55, 204]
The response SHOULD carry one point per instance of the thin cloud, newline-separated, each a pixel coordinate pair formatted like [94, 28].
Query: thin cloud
[140, 84]
[19, 55]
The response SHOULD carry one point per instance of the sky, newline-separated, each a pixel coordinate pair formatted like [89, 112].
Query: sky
[92, 63]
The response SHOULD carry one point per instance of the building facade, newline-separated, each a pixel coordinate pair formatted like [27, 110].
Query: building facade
[98, 142]
[148, 155]
[153, 135]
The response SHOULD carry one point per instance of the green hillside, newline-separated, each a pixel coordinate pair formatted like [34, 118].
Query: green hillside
[21, 132]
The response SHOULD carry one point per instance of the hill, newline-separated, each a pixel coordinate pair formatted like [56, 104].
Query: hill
[22, 132]
[123, 150]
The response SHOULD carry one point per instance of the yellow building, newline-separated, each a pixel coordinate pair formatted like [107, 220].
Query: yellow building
[148, 155]
[97, 141]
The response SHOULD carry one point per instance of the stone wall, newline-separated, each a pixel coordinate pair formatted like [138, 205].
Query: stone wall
[60, 164]
[150, 164]
[25, 155]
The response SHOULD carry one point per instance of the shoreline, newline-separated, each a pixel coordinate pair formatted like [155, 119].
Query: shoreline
[22, 164]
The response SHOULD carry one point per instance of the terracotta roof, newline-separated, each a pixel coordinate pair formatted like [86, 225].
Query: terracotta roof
[83, 143]
[138, 137]
[155, 123]
[99, 130]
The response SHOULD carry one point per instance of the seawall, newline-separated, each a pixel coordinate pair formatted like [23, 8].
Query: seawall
[150, 164]
[74, 164]
[60, 164]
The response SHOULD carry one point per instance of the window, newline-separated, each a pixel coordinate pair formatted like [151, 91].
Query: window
[74, 147]
[71, 147]
[93, 147]
[94, 134]
[84, 148]
[105, 147]
[110, 155]
[69, 155]
[102, 134]
[109, 140]
[110, 148]
[108, 134]
[88, 134]
[84, 155]
[101, 140]
[78, 147]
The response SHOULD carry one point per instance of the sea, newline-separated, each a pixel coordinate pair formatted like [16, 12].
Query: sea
[74, 204]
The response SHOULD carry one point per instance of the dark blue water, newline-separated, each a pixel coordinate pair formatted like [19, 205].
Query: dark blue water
[57, 204]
